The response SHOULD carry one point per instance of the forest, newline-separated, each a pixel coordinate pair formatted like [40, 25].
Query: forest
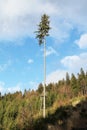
[23, 111]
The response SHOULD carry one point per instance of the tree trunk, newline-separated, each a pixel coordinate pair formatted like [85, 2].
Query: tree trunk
[44, 102]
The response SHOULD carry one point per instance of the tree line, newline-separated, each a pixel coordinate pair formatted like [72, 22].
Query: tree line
[19, 111]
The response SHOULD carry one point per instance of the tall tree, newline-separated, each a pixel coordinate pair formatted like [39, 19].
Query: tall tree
[82, 80]
[43, 31]
[74, 85]
[67, 79]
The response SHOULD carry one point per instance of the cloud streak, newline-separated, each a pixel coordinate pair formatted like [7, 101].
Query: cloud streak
[4, 66]
[50, 50]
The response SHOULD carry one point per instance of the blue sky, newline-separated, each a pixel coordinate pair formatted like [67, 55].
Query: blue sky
[21, 58]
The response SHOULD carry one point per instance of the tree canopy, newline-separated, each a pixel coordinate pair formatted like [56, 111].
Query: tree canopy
[43, 29]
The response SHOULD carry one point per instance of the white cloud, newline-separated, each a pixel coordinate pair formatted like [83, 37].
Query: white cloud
[70, 61]
[60, 28]
[15, 8]
[33, 85]
[55, 76]
[50, 51]
[82, 42]
[73, 10]
[30, 61]
[4, 66]
[19, 17]
[5, 89]
[75, 62]
[2, 86]
[18, 87]
[14, 88]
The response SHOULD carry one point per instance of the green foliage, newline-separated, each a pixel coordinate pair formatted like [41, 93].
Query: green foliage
[74, 85]
[82, 81]
[1, 112]
[67, 79]
[22, 111]
[40, 88]
[50, 99]
[43, 28]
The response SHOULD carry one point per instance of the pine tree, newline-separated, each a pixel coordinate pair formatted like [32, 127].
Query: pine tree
[82, 80]
[43, 31]
[74, 85]
[67, 79]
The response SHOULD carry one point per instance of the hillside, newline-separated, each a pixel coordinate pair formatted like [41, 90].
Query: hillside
[69, 117]
[66, 106]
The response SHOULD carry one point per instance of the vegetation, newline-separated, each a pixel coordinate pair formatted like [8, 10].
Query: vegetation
[43, 31]
[23, 111]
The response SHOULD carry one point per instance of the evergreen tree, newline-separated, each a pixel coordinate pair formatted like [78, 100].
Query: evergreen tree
[67, 79]
[43, 31]
[82, 81]
[74, 85]
[40, 88]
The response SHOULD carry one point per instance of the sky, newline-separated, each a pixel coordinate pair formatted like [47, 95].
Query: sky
[21, 57]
